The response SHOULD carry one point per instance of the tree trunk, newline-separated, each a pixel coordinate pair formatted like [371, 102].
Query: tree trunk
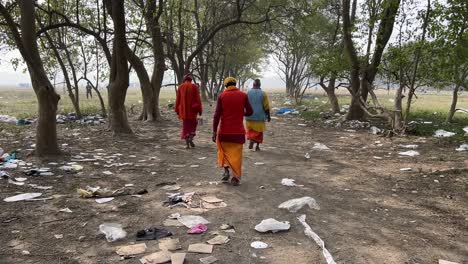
[398, 125]
[66, 77]
[119, 71]
[453, 106]
[330, 90]
[46, 136]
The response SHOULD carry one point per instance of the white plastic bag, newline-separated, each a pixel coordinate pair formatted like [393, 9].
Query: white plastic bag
[272, 225]
[112, 231]
[295, 205]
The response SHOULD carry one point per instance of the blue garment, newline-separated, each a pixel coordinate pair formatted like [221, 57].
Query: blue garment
[256, 101]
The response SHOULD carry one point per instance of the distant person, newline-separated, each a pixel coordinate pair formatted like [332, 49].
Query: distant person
[88, 91]
[228, 129]
[188, 106]
[261, 112]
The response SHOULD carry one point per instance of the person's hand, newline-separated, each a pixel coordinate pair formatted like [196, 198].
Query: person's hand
[214, 137]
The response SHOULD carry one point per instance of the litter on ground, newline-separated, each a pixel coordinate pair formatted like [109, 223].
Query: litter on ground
[272, 225]
[200, 248]
[311, 234]
[295, 205]
[410, 153]
[112, 231]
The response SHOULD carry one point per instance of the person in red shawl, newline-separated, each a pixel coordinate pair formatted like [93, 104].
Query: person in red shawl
[228, 129]
[188, 106]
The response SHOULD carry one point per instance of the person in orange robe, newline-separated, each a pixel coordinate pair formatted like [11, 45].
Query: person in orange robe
[188, 106]
[228, 129]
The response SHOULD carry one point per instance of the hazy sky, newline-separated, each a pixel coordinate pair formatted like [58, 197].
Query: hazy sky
[10, 77]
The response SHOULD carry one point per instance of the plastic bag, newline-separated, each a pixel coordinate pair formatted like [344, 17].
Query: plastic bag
[112, 231]
[295, 205]
[272, 225]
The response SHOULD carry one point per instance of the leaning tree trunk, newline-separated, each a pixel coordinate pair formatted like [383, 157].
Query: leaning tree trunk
[330, 90]
[453, 106]
[119, 71]
[46, 136]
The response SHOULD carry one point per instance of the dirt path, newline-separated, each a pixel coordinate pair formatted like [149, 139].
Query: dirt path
[371, 212]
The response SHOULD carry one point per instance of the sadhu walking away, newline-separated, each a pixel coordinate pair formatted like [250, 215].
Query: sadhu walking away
[261, 112]
[229, 131]
[188, 106]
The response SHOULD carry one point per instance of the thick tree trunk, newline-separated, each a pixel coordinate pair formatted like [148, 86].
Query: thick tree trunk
[46, 136]
[119, 71]
[453, 106]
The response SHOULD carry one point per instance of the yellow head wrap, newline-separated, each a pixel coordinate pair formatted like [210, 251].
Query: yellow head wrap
[229, 80]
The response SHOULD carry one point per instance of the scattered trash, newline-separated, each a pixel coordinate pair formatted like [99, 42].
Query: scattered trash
[285, 110]
[178, 258]
[443, 134]
[66, 210]
[157, 258]
[210, 206]
[200, 248]
[58, 236]
[226, 227]
[198, 229]
[131, 250]
[295, 205]
[172, 222]
[259, 163]
[406, 169]
[4, 175]
[441, 261]
[463, 147]
[104, 200]
[152, 233]
[192, 220]
[290, 183]
[171, 187]
[22, 197]
[179, 198]
[410, 153]
[25, 252]
[112, 231]
[259, 245]
[211, 199]
[107, 173]
[208, 260]
[272, 225]
[169, 244]
[320, 146]
[8, 119]
[307, 156]
[375, 130]
[409, 146]
[218, 240]
[356, 124]
[308, 232]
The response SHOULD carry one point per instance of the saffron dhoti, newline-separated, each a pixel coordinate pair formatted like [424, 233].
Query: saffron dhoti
[189, 128]
[255, 130]
[230, 155]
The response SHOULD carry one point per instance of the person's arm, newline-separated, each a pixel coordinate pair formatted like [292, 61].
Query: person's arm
[266, 106]
[217, 117]
[177, 102]
[248, 107]
[198, 99]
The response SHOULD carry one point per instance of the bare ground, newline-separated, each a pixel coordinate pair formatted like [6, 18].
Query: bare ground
[371, 212]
